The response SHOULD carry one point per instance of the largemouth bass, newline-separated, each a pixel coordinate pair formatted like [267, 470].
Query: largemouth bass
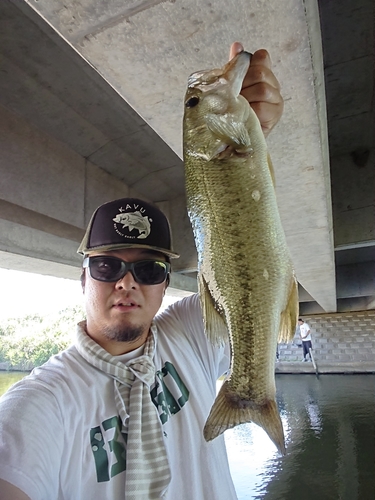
[246, 280]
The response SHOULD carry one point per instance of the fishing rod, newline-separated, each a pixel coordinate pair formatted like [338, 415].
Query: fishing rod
[313, 362]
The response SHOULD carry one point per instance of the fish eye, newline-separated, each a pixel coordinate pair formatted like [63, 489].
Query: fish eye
[193, 101]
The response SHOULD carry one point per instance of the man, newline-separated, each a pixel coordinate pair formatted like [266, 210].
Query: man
[120, 414]
[305, 334]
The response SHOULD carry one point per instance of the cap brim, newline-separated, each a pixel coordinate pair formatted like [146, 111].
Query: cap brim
[108, 248]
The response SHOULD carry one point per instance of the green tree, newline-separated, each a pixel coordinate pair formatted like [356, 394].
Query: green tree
[31, 340]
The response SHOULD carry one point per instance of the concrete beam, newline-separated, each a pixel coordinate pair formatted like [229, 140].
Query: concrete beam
[142, 57]
[159, 44]
[353, 202]
[356, 280]
[46, 221]
[46, 81]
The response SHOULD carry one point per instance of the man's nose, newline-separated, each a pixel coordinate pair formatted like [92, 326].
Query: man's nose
[127, 282]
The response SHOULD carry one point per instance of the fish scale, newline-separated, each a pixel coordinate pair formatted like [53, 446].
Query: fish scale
[246, 280]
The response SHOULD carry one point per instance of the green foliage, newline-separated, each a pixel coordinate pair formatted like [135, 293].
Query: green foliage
[31, 340]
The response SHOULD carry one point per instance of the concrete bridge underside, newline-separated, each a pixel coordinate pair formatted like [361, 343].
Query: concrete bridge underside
[91, 103]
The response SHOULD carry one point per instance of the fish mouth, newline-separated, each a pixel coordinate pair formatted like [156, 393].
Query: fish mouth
[224, 112]
[233, 72]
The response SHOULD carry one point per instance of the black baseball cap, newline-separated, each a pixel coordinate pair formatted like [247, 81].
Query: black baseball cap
[128, 223]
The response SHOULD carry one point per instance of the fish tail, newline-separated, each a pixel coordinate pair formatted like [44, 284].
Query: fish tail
[230, 410]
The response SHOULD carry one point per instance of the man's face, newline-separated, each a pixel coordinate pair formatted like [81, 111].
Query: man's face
[119, 314]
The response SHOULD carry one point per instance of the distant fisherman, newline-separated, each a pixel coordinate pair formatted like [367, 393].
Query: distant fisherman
[120, 414]
[305, 334]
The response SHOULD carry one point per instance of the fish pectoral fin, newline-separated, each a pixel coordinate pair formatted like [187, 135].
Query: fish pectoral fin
[230, 410]
[214, 323]
[289, 317]
[231, 131]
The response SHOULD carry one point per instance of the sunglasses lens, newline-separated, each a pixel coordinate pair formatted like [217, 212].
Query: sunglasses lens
[106, 268]
[145, 272]
[150, 272]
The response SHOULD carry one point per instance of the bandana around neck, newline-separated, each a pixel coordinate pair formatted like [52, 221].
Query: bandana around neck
[147, 468]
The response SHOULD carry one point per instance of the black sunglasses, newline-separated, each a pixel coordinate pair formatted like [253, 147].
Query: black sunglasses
[110, 269]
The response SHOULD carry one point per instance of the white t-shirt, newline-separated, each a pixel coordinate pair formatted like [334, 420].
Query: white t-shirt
[304, 328]
[60, 434]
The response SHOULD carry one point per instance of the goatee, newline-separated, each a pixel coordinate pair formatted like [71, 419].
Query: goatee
[125, 333]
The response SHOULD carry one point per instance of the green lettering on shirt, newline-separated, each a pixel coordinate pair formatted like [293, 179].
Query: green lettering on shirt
[168, 387]
[116, 445]
[169, 368]
[100, 455]
[162, 396]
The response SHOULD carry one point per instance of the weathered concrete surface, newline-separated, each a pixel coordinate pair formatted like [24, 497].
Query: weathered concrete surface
[83, 112]
[146, 51]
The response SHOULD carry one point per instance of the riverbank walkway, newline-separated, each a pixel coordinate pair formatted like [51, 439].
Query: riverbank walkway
[290, 361]
[346, 367]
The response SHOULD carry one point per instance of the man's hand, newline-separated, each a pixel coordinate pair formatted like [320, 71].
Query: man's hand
[261, 88]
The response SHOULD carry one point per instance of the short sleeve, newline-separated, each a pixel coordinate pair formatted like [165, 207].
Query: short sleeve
[30, 439]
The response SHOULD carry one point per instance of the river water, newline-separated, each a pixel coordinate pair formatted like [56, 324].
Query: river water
[329, 425]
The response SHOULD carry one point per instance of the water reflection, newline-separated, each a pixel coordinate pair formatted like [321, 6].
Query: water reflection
[330, 436]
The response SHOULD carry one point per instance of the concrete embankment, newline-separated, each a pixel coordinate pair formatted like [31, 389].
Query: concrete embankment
[342, 343]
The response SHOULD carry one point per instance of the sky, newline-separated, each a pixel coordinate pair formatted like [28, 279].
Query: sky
[24, 293]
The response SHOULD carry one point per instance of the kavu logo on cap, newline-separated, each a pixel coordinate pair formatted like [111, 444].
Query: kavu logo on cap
[127, 223]
[132, 222]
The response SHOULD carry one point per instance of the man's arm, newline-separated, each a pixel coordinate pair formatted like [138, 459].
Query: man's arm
[10, 492]
[261, 88]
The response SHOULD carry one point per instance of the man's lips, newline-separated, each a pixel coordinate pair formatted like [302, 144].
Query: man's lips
[125, 304]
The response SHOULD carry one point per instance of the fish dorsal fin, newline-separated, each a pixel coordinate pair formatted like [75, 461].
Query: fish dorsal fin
[289, 317]
[230, 130]
[214, 323]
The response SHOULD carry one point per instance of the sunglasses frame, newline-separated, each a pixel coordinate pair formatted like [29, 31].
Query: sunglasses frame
[125, 268]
